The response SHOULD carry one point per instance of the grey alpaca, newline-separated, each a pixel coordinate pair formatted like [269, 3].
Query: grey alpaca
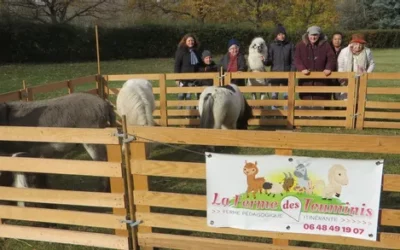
[77, 110]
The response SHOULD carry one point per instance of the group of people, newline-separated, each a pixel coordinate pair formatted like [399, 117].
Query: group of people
[314, 53]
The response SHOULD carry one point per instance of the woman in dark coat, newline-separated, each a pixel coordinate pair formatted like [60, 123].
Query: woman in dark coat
[313, 54]
[187, 60]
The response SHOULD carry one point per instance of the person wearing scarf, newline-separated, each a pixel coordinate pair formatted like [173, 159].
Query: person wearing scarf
[187, 60]
[356, 57]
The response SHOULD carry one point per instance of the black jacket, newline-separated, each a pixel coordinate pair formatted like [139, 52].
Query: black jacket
[281, 58]
[182, 62]
[212, 67]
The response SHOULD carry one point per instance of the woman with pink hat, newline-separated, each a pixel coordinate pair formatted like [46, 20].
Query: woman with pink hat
[356, 57]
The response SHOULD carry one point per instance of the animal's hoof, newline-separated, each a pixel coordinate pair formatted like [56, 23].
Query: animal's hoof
[323, 198]
[337, 195]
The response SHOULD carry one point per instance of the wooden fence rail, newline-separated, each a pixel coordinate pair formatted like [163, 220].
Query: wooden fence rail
[174, 110]
[282, 142]
[357, 112]
[90, 227]
[28, 93]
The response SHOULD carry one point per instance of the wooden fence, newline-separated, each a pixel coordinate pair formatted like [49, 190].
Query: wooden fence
[69, 86]
[357, 112]
[328, 113]
[96, 225]
[157, 229]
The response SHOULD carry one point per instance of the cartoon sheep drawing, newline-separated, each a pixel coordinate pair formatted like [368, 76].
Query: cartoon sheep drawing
[337, 177]
[279, 188]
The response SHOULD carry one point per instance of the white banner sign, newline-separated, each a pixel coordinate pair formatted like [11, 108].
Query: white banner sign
[294, 194]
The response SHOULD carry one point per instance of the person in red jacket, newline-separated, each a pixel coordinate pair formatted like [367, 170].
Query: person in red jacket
[313, 54]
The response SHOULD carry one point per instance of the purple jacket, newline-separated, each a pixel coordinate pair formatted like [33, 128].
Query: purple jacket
[315, 58]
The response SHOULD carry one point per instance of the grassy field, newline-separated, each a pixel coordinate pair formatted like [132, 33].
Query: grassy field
[11, 77]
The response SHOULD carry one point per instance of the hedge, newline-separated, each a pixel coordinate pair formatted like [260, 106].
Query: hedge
[27, 42]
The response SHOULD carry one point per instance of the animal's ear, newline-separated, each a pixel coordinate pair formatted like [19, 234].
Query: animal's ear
[255, 162]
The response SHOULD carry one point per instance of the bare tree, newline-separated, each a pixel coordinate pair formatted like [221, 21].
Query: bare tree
[61, 11]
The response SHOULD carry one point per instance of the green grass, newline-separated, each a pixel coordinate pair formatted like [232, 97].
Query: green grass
[11, 77]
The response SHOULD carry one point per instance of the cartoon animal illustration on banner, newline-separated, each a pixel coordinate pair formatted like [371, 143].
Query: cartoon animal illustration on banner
[280, 187]
[253, 184]
[303, 181]
[337, 178]
[300, 185]
[294, 194]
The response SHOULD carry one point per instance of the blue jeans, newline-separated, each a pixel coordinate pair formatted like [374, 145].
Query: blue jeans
[185, 96]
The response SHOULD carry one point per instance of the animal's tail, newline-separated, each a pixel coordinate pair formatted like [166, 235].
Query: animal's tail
[112, 117]
[207, 115]
[267, 185]
[247, 114]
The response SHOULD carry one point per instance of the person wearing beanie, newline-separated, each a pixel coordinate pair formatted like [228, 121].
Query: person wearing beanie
[356, 57]
[314, 54]
[280, 58]
[208, 66]
[234, 61]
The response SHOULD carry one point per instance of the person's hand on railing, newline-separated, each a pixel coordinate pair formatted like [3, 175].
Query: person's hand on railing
[305, 71]
[327, 72]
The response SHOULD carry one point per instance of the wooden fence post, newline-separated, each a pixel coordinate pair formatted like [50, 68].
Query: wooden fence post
[163, 101]
[100, 85]
[351, 100]
[362, 98]
[129, 186]
[29, 94]
[140, 183]
[24, 93]
[106, 90]
[227, 78]
[282, 151]
[70, 88]
[116, 183]
[97, 50]
[291, 100]
[221, 78]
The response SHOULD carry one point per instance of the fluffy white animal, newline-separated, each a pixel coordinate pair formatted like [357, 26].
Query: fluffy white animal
[136, 101]
[224, 107]
[258, 50]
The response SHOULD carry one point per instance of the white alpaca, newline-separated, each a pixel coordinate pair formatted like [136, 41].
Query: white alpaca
[258, 50]
[136, 101]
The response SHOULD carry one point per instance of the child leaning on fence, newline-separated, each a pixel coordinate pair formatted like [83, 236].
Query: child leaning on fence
[187, 60]
[208, 66]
